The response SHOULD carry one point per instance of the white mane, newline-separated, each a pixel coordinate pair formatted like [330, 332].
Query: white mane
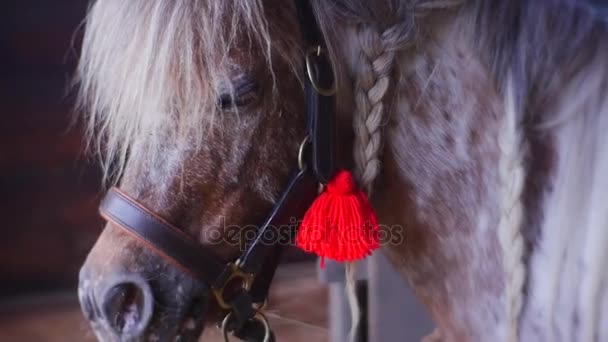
[151, 71]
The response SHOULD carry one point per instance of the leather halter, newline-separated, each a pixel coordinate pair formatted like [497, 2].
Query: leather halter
[253, 271]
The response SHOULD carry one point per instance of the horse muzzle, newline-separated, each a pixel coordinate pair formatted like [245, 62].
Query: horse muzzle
[133, 294]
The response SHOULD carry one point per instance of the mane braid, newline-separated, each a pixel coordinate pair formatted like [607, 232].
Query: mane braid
[512, 178]
[379, 45]
[375, 67]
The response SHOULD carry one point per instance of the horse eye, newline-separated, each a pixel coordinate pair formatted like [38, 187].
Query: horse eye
[245, 93]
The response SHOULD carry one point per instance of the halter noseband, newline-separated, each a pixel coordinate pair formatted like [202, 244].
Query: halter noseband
[252, 273]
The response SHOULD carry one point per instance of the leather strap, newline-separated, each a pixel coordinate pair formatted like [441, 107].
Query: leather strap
[295, 200]
[161, 236]
[311, 34]
[320, 105]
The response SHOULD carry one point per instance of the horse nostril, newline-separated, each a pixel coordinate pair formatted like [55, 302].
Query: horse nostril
[127, 307]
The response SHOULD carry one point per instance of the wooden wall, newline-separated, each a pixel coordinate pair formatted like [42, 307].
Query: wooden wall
[48, 190]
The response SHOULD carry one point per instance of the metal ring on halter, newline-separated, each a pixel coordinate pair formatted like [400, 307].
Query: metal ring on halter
[301, 162]
[318, 50]
[236, 274]
[258, 317]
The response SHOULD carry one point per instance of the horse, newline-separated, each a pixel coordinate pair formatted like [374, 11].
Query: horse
[478, 126]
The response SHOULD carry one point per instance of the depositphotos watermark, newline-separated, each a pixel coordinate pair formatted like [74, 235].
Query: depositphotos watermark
[237, 235]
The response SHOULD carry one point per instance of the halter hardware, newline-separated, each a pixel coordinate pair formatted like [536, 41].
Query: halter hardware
[320, 53]
[258, 317]
[237, 274]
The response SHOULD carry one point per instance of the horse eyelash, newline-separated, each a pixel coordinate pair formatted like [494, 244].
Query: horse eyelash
[244, 94]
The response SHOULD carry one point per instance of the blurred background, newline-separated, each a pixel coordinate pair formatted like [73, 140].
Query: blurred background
[49, 189]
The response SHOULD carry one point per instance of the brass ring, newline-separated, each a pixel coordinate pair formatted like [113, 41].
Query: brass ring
[258, 317]
[237, 273]
[301, 163]
[318, 50]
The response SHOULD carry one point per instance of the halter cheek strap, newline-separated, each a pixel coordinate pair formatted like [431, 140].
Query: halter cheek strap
[319, 88]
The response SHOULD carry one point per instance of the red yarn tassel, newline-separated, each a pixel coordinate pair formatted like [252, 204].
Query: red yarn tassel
[341, 223]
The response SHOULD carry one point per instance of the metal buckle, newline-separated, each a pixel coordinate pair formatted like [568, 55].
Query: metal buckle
[318, 50]
[258, 317]
[237, 273]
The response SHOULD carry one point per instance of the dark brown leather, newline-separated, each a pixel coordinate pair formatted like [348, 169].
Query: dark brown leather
[262, 257]
[321, 113]
[158, 234]
[320, 109]
[297, 197]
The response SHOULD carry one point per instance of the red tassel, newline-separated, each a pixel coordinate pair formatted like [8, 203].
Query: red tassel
[341, 223]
